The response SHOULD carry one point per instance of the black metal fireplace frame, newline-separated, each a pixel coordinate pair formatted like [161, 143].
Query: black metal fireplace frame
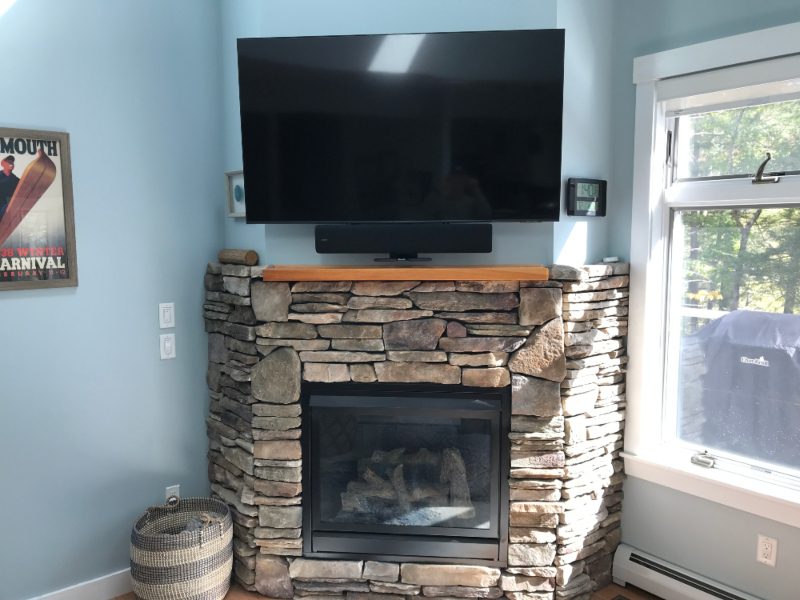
[406, 543]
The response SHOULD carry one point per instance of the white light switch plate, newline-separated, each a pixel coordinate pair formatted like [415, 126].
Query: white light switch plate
[167, 346]
[166, 315]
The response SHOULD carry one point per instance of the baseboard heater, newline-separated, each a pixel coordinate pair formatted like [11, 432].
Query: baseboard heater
[671, 582]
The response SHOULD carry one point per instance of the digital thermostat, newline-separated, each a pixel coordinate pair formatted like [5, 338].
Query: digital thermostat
[586, 197]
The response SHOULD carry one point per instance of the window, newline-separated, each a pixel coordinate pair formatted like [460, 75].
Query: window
[733, 287]
[714, 381]
[734, 332]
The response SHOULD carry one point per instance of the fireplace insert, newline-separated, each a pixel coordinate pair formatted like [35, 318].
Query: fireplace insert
[406, 472]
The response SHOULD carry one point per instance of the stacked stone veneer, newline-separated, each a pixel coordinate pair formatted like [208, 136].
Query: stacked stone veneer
[558, 343]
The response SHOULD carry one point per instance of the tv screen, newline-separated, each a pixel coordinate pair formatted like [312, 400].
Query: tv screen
[446, 127]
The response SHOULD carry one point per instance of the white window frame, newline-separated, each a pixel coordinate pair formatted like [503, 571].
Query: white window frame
[754, 58]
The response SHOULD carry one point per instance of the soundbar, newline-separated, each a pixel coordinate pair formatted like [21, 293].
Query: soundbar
[403, 241]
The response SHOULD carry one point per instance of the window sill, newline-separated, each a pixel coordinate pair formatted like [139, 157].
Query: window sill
[770, 501]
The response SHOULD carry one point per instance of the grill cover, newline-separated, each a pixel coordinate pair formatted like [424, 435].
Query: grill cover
[751, 385]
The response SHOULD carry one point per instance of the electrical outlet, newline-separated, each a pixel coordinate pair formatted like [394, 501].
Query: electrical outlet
[767, 552]
[172, 490]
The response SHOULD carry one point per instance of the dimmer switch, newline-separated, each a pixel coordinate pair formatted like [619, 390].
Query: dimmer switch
[166, 315]
[167, 346]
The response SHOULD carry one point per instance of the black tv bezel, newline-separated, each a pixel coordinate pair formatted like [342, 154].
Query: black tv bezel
[556, 213]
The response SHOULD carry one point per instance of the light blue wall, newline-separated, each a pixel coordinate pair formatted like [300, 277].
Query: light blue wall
[276, 244]
[93, 425]
[711, 539]
[589, 29]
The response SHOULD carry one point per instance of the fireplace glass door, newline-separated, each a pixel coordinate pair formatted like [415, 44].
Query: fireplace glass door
[411, 468]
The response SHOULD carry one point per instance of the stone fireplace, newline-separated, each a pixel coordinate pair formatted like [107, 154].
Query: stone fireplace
[453, 438]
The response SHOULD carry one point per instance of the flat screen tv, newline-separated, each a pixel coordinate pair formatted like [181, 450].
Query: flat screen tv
[431, 127]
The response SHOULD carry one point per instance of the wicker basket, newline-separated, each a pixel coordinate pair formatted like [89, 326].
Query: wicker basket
[169, 562]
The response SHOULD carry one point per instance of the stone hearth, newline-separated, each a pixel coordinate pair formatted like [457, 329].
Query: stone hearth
[559, 344]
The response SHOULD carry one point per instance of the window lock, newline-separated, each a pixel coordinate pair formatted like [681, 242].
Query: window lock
[703, 459]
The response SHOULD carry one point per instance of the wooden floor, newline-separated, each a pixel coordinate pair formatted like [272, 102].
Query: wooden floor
[615, 592]
[612, 592]
[236, 593]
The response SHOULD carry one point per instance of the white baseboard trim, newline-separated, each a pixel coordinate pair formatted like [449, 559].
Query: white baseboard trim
[102, 588]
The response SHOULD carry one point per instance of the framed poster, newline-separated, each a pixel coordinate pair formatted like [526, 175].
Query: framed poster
[37, 228]
[234, 183]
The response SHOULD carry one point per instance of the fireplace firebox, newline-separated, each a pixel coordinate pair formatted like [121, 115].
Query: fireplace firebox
[406, 472]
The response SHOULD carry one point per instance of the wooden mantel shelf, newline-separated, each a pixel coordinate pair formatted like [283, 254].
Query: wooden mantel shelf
[406, 273]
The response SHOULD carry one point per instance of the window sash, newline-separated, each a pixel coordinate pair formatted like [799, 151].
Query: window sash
[753, 468]
[732, 192]
[679, 145]
[672, 314]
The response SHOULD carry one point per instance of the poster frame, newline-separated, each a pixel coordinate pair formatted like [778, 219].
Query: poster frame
[65, 173]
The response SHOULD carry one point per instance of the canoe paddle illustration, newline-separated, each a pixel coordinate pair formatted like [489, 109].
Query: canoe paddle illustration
[37, 177]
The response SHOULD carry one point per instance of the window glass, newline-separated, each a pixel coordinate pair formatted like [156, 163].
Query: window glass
[735, 332]
[735, 141]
